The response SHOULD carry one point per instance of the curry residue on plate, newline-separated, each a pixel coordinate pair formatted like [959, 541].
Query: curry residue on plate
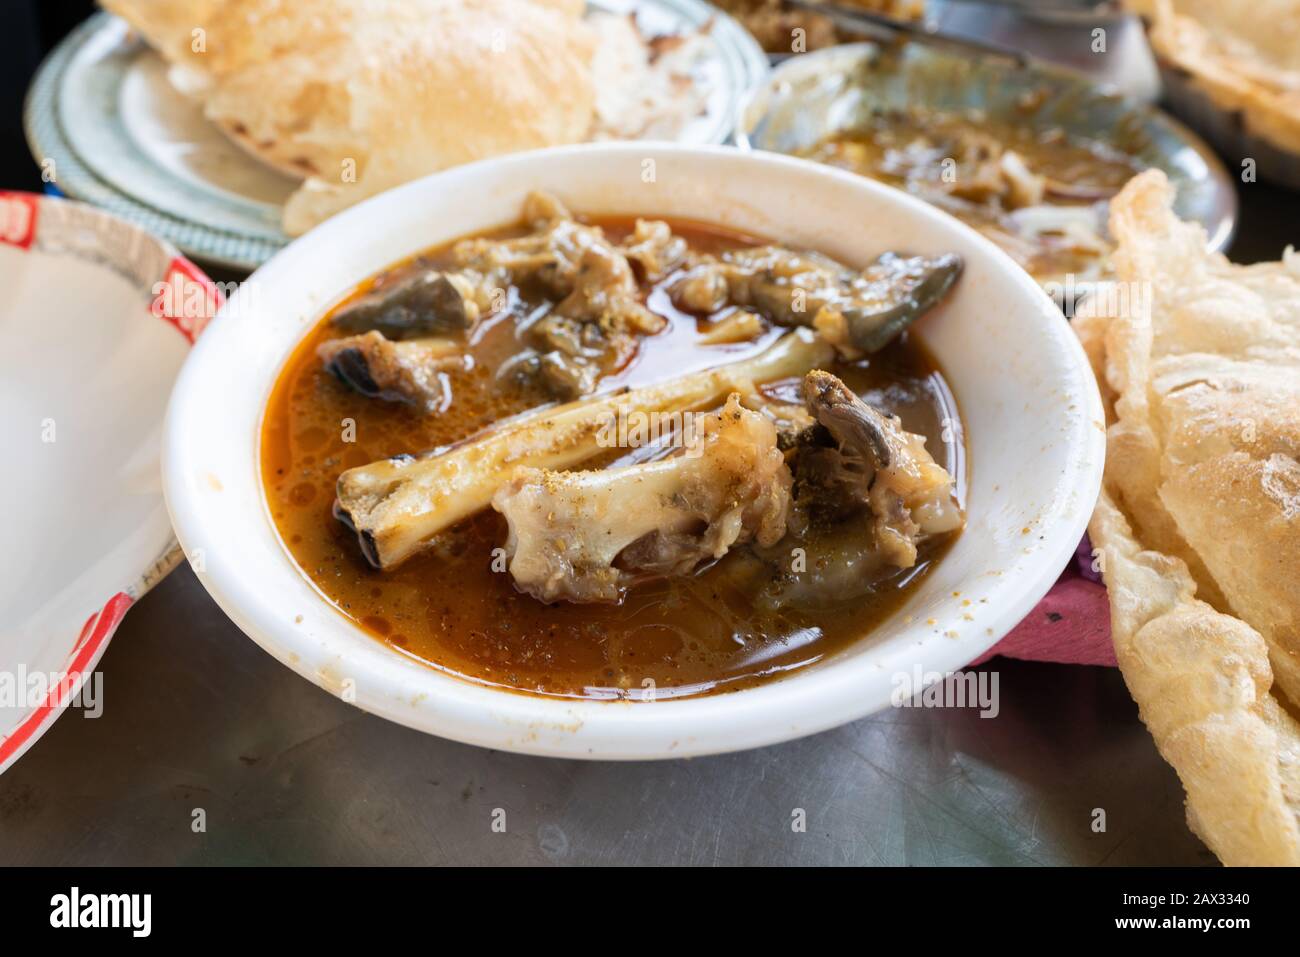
[1038, 193]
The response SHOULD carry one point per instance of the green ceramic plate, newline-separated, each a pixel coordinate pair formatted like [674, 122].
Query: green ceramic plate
[811, 96]
[103, 118]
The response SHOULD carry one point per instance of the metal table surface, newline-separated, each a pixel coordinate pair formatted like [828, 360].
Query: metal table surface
[197, 717]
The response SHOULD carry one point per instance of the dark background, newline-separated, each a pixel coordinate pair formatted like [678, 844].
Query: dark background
[28, 29]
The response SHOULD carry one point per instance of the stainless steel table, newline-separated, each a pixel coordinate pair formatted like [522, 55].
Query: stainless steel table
[198, 717]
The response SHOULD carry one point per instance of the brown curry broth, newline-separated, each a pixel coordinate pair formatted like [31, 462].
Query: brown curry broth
[447, 608]
[866, 150]
[1049, 152]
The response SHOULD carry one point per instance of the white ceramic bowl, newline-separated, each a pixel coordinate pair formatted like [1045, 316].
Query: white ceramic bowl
[1030, 404]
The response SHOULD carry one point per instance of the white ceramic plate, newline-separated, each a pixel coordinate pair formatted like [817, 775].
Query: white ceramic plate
[121, 136]
[93, 346]
[1031, 408]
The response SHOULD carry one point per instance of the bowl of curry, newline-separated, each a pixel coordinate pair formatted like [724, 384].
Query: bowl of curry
[630, 451]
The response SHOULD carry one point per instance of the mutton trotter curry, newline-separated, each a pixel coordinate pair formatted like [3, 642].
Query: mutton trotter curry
[437, 454]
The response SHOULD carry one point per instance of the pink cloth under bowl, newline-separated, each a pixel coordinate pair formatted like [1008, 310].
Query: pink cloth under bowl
[1071, 625]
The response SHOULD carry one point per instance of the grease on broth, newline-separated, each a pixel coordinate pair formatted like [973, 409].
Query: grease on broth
[450, 608]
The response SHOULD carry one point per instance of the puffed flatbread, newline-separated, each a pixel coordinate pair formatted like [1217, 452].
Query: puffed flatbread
[1199, 520]
[1243, 54]
[357, 96]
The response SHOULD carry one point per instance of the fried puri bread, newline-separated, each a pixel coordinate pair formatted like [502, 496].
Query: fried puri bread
[1242, 54]
[1198, 525]
[357, 96]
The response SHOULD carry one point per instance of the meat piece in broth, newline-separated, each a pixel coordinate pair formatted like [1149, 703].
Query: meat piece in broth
[857, 312]
[841, 564]
[412, 370]
[884, 299]
[403, 348]
[426, 303]
[558, 373]
[867, 497]
[591, 330]
[568, 356]
[739, 325]
[911, 497]
[655, 250]
[586, 536]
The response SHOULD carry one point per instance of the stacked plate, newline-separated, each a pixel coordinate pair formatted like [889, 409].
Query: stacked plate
[107, 126]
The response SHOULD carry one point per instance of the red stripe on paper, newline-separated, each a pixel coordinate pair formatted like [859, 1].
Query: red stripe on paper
[98, 628]
[18, 215]
[186, 298]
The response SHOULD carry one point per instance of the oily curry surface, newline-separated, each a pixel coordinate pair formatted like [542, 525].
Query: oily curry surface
[1038, 193]
[452, 607]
